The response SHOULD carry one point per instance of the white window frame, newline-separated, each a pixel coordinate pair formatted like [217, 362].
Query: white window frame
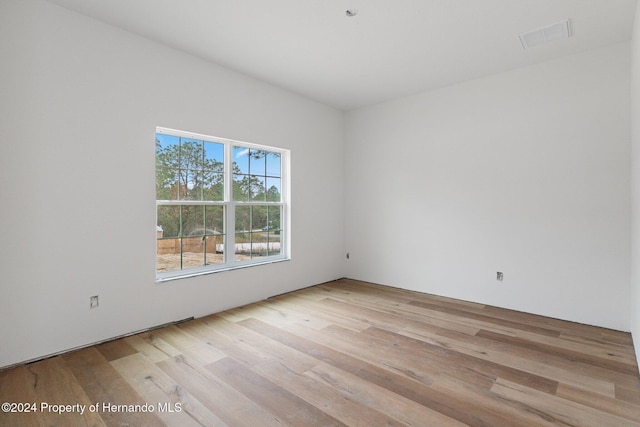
[229, 209]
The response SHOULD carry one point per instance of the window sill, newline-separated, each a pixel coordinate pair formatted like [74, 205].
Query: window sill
[184, 274]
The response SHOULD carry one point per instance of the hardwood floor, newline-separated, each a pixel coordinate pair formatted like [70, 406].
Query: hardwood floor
[341, 353]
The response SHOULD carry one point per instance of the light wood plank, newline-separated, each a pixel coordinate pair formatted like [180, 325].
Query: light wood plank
[224, 401]
[283, 403]
[154, 386]
[557, 409]
[151, 352]
[375, 396]
[102, 383]
[516, 359]
[594, 400]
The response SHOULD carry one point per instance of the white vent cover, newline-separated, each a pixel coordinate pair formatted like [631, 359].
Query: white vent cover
[545, 35]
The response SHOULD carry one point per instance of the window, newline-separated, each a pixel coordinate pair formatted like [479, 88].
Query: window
[220, 204]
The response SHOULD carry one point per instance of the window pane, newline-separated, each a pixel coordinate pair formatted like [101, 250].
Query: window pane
[274, 213]
[241, 188]
[273, 164]
[168, 255]
[168, 240]
[258, 218]
[214, 220]
[213, 186]
[167, 149]
[257, 162]
[213, 177]
[213, 157]
[214, 249]
[192, 252]
[243, 219]
[243, 233]
[256, 188]
[191, 185]
[191, 154]
[166, 184]
[240, 160]
[257, 231]
[164, 141]
[169, 221]
[274, 243]
[259, 237]
[214, 239]
[248, 187]
[193, 221]
[273, 189]
[243, 247]
[258, 243]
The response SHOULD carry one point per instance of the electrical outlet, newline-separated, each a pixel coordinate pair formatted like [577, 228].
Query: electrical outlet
[94, 302]
[499, 276]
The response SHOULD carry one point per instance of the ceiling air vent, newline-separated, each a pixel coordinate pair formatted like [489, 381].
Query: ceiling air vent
[545, 35]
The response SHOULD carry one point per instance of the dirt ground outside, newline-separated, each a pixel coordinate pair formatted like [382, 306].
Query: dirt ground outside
[171, 262]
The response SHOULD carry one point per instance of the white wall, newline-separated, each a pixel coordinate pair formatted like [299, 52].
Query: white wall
[79, 103]
[526, 172]
[635, 184]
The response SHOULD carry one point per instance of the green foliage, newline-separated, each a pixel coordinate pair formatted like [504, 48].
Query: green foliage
[247, 188]
[184, 173]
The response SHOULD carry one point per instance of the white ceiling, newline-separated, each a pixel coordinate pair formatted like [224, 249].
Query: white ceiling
[392, 48]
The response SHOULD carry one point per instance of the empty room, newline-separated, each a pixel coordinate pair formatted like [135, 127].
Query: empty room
[319, 213]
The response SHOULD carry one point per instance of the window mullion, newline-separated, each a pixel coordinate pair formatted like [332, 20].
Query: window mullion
[230, 226]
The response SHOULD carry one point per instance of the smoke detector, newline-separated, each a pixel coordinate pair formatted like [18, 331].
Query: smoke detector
[351, 12]
[545, 35]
